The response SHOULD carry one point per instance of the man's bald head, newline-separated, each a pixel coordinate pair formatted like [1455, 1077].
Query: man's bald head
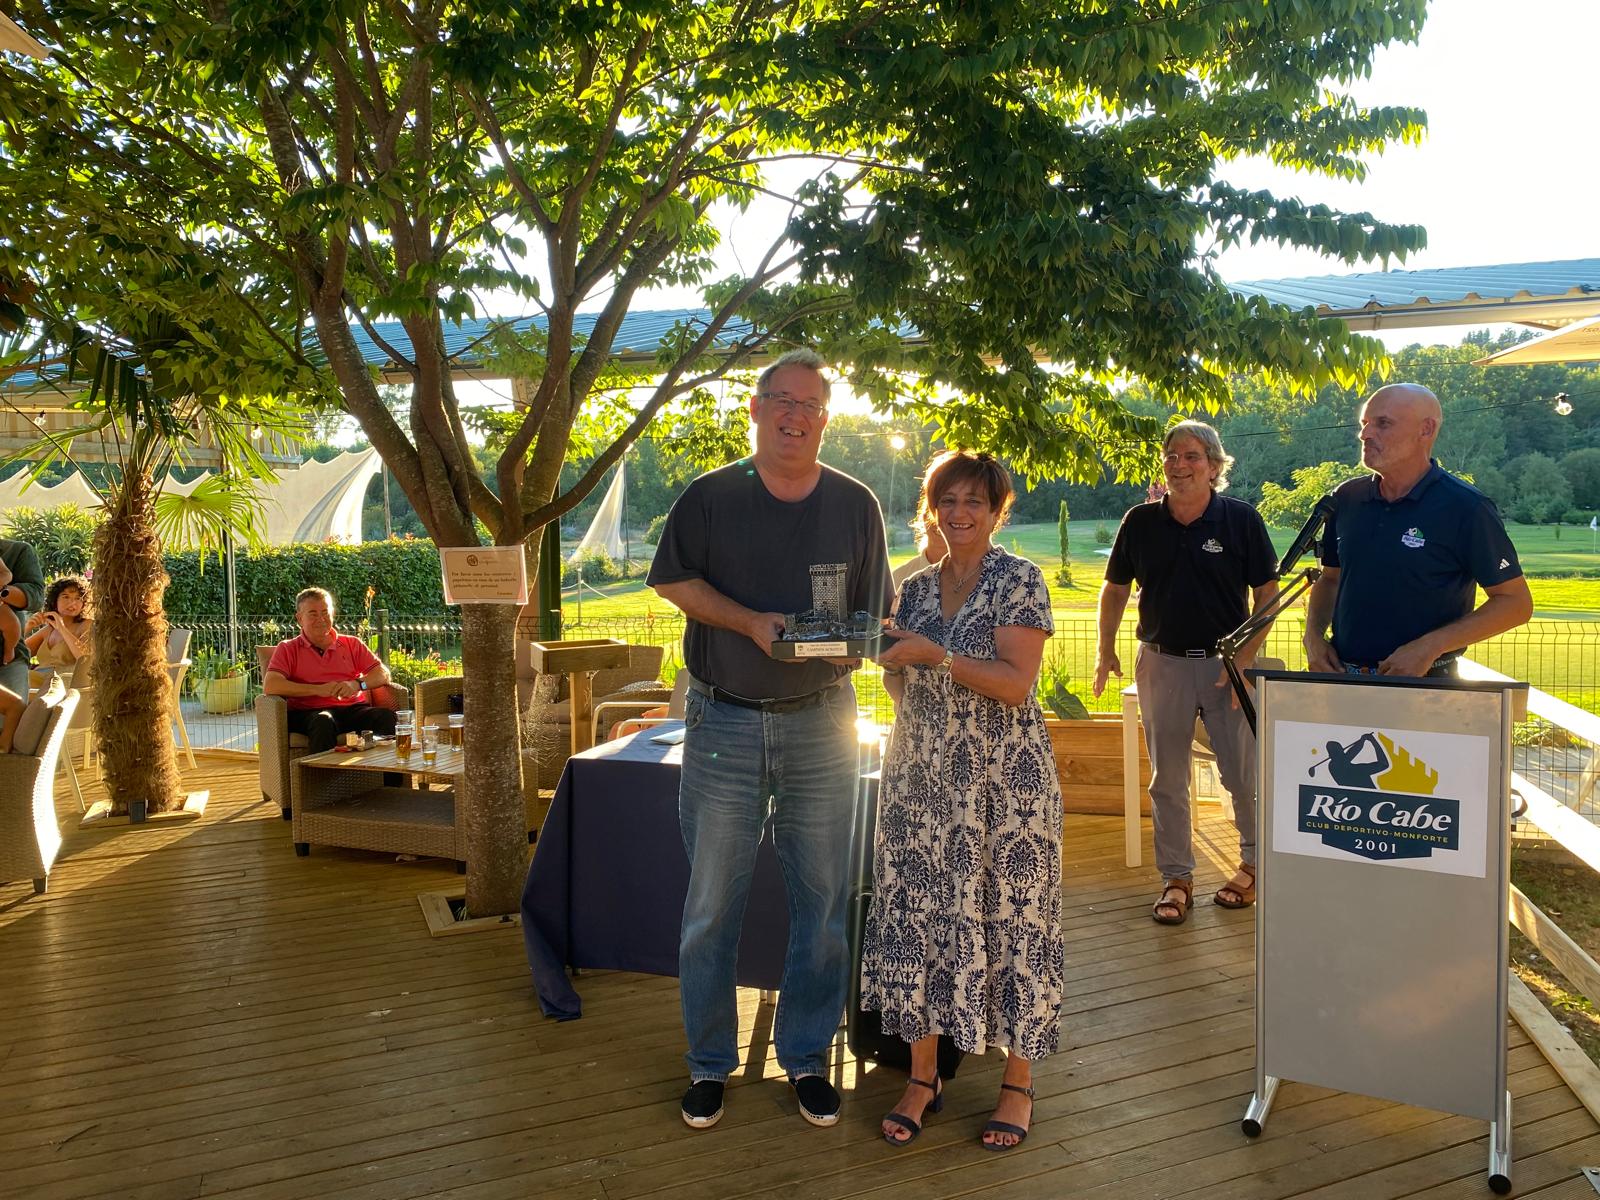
[1414, 395]
[1399, 424]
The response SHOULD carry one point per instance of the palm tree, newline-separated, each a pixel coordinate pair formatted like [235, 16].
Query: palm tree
[142, 425]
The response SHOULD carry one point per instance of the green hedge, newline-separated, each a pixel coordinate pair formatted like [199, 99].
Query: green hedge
[403, 573]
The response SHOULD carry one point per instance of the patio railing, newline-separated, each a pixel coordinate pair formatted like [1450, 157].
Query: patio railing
[1581, 839]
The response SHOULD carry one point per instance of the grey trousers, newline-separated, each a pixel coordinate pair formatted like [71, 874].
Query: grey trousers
[1172, 692]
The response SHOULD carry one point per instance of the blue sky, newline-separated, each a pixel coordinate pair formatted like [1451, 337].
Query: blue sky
[1509, 171]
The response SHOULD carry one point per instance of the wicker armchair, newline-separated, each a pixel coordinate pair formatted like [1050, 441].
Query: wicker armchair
[277, 747]
[30, 834]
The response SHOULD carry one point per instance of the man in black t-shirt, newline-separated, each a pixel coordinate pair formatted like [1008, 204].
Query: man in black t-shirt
[737, 553]
[1200, 559]
[1405, 551]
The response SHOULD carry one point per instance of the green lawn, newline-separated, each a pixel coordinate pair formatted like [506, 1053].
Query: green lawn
[1550, 652]
[1550, 564]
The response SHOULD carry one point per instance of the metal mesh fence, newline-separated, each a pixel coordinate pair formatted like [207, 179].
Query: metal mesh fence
[1557, 656]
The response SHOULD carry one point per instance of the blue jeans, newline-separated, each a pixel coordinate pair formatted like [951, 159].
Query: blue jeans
[739, 764]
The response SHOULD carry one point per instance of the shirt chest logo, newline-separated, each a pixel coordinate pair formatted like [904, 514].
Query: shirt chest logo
[1211, 546]
[1412, 539]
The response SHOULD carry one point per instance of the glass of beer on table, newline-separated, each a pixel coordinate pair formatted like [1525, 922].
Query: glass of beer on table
[428, 739]
[402, 740]
[457, 731]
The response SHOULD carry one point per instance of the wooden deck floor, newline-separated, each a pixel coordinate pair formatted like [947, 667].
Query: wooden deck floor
[194, 1011]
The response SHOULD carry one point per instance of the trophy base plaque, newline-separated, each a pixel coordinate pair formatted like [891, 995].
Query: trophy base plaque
[818, 635]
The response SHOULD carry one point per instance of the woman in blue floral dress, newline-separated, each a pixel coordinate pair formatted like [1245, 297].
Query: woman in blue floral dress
[964, 933]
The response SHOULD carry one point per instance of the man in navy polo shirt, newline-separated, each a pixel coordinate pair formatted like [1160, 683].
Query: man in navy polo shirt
[1405, 550]
[1200, 559]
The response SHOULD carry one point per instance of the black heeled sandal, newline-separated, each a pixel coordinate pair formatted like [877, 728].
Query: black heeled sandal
[905, 1122]
[1006, 1126]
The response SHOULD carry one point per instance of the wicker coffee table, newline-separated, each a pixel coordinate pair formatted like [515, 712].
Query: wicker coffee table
[339, 798]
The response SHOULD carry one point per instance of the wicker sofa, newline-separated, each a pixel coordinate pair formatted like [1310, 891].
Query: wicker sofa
[30, 833]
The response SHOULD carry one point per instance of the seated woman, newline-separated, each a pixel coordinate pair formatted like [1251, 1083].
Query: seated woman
[58, 635]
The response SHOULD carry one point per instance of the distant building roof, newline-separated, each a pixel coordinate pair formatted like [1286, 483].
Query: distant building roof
[1544, 294]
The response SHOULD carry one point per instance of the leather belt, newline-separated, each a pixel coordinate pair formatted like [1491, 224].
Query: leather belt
[787, 704]
[1210, 653]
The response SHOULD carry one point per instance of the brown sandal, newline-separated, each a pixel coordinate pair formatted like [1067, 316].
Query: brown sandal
[1184, 890]
[1246, 895]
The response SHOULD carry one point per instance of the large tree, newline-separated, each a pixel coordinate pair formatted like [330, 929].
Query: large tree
[1017, 181]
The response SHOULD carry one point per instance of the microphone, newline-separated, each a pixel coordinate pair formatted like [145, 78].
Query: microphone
[1307, 537]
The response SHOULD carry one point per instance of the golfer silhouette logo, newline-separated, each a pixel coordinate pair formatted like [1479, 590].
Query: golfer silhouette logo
[1375, 799]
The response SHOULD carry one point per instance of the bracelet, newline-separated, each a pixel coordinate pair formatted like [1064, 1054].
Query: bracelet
[894, 670]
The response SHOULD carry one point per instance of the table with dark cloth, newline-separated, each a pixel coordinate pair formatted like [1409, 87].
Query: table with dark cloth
[609, 876]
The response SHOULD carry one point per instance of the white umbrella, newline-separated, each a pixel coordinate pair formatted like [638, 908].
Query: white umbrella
[1575, 343]
[14, 39]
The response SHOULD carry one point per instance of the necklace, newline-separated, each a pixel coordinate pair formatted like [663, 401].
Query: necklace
[959, 581]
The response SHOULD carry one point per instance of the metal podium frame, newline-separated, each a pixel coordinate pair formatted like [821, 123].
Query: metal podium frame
[1393, 1004]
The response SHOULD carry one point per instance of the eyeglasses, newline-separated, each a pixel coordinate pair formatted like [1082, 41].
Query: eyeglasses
[789, 404]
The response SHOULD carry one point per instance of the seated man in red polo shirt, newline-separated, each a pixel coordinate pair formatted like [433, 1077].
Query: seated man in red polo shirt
[325, 677]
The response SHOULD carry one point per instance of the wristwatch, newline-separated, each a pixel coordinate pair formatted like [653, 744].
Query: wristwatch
[944, 666]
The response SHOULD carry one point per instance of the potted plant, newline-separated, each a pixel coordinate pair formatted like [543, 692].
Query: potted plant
[1087, 747]
[221, 681]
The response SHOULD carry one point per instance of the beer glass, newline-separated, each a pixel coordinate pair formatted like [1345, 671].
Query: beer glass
[428, 739]
[402, 741]
[457, 731]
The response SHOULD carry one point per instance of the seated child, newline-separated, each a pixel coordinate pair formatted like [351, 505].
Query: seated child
[58, 636]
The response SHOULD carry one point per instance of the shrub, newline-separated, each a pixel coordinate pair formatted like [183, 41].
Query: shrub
[403, 574]
[408, 671]
[652, 532]
[597, 567]
[1102, 535]
[62, 537]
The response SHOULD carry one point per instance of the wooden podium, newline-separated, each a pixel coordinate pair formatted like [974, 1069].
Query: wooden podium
[578, 661]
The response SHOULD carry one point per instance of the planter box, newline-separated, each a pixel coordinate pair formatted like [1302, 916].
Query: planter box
[1089, 763]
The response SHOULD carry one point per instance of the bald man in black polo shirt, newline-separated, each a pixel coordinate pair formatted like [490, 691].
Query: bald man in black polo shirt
[1200, 558]
[1405, 551]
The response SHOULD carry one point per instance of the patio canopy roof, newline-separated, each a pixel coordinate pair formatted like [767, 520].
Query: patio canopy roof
[15, 39]
[1544, 294]
[1577, 343]
[638, 340]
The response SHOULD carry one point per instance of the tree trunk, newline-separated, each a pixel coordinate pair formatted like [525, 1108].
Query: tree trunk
[497, 832]
[131, 684]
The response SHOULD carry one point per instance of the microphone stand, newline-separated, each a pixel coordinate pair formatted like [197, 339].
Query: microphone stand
[1229, 646]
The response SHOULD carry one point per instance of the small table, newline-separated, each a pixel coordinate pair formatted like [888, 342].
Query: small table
[338, 798]
[609, 876]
